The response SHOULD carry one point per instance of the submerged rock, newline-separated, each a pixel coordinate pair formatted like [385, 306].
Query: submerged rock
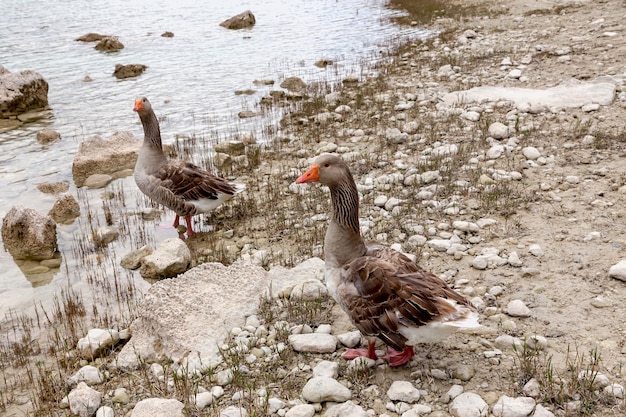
[104, 156]
[242, 20]
[128, 71]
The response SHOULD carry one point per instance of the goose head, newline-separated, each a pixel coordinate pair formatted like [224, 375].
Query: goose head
[142, 105]
[326, 169]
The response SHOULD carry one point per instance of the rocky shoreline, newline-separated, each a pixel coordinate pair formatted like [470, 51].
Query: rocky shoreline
[516, 200]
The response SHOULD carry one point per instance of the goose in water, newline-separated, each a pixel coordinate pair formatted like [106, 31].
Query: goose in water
[385, 294]
[180, 186]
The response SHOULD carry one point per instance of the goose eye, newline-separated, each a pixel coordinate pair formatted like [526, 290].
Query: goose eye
[327, 165]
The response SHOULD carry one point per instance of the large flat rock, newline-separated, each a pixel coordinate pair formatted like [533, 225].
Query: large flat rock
[21, 92]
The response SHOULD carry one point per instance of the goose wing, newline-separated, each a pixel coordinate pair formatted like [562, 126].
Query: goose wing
[189, 182]
[383, 291]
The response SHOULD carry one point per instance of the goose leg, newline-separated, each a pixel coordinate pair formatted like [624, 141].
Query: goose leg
[370, 352]
[190, 231]
[399, 358]
[176, 221]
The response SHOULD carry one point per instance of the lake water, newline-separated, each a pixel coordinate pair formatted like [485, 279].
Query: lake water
[191, 79]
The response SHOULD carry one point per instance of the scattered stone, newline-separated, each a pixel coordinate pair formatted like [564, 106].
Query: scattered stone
[105, 412]
[84, 401]
[128, 71]
[403, 391]
[230, 147]
[133, 259]
[517, 308]
[97, 342]
[531, 153]
[536, 250]
[171, 257]
[241, 21]
[293, 84]
[617, 271]
[203, 400]
[322, 389]
[109, 44]
[88, 374]
[105, 235]
[513, 407]
[65, 210]
[313, 342]
[47, 136]
[91, 37]
[158, 407]
[301, 410]
[347, 409]
[29, 235]
[468, 404]
[167, 34]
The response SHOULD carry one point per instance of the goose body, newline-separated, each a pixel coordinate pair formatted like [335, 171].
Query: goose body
[386, 295]
[179, 185]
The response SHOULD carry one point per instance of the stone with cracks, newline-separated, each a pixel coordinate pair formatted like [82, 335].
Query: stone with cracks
[104, 156]
[171, 258]
[84, 401]
[21, 92]
[29, 235]
[469, 404]
[185, 319]
[568, 94]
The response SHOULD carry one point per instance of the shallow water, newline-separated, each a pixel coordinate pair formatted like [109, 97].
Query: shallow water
[191, 79]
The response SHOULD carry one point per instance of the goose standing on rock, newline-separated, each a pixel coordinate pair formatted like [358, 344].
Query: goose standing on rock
[180, 186]
[385, 294]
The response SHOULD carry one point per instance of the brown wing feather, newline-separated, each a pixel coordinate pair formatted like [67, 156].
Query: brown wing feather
[386, 289]
[190, 182]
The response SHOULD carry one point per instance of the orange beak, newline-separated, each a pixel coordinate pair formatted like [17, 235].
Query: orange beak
[312, 175]
[138, 105]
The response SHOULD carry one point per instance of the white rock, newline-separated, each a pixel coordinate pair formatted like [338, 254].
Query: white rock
[301, 410]
[508, 342]
[403, 391]
[308, 290]
[498, 130]
[517, 308]
[536, 250]
[531, 388]
[616, 390]
[347, 409]
[530, 152]
[328, 369]
[514, 259]
[203, 400]
[618, 271]
[88, 374]
[96, 340]
[158, 407]
[468, 404]
[472, 116]
[541, 411]
[380, 201]
[495, 152]
[515, 73]
[171, 258]
[105, 412]
[321, 389]
[275, 404]
[84, 401]
[572, 179]
[513, 407]
[465, 226]
[231, 411]
[174, 320]
[313, 342]
[439, 245]
[588, 108]
[350, 339]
